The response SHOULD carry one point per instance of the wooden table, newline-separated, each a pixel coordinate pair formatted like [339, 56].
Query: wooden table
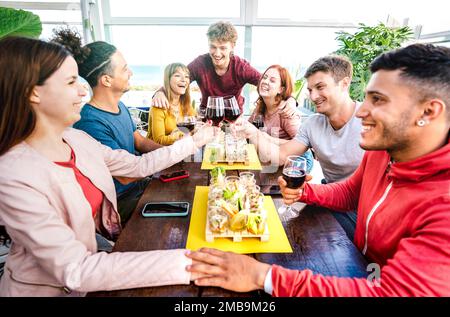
[318, 241]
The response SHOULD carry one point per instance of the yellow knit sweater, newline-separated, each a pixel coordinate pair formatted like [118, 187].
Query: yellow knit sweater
[162, 126]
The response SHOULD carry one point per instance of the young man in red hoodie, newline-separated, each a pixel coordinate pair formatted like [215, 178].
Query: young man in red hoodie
[401, 191]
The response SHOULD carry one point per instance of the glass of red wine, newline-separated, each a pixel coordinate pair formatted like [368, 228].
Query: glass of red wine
[294, 173]
[215, 110]
[187, 123]
[258, 121]
[232, 110]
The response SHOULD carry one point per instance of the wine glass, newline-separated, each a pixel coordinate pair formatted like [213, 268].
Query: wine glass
[201, 116]
[294, 173]
[258, 121]
[215, 110]
[232, 110]
[188, 122]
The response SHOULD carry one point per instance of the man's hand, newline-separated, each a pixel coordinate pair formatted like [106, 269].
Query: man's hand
[205, 134]
[236, 272]
[160, 100]
[290, 195]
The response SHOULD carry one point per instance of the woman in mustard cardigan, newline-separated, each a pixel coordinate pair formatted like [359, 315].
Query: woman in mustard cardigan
[162, 125]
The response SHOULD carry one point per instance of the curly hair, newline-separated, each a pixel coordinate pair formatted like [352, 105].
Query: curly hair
[222, 32]
[93, 59]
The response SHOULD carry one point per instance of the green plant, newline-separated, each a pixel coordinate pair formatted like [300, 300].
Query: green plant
[363, 46]
[19, 22]
[299, 82]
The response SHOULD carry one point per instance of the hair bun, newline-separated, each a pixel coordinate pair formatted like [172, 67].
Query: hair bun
[71, 40]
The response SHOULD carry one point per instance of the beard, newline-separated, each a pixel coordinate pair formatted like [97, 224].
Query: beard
[394, 136]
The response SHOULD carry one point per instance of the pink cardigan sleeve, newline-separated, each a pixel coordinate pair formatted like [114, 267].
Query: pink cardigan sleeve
[34, 223]
[122, 163]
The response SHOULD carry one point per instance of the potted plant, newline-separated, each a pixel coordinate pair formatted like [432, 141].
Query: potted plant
[19, 23]
[363, 46]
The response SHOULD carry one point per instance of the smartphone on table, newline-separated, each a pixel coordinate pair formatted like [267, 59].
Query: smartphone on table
[174, 176]
[166, 209]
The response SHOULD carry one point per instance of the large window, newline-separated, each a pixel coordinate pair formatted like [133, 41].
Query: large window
[148, 49]
[175, 8]
[291, 47]
[433, 15]
[287, 32]
[293, 33]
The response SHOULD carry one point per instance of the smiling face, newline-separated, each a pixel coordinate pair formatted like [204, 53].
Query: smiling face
[58, 100]
[270, 83]
[179, 82]
[388, 114]
[220, 53]
[325, 92]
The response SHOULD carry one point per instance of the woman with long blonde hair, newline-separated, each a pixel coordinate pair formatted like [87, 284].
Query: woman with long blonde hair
[162, 125]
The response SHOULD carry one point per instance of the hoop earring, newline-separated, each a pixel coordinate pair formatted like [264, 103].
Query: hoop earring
[420, 122]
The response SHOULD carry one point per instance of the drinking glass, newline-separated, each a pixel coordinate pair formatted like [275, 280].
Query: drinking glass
[215, 110]
[232, 110]
[258, 121]
[232, 183]
[201, 114]
[247, 179]
[294, 173]
[188, 122]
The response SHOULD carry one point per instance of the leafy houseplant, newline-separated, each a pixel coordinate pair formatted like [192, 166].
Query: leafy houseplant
[299, 84]
[362, 48]
[19, 23]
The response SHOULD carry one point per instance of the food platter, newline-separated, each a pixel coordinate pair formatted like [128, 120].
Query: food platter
[229, 149]
[235, 208]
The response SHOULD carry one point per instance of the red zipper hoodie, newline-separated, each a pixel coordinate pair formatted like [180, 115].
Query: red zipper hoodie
[403, 226]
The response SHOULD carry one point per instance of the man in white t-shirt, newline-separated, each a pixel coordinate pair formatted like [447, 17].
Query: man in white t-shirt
[332, 133]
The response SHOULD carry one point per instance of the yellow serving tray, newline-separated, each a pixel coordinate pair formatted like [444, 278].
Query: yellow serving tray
[254, 163]
[277, 243]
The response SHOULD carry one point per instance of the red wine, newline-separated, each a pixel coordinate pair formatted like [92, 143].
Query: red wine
[215, 115]
[294, 177]
[231, 115]
[189, 125]
[258, 124]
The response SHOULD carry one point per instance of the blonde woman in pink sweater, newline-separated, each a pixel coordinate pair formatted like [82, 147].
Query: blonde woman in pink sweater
[277, 107]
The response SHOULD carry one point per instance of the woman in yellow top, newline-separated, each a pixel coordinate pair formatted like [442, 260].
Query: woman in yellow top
[162, 124]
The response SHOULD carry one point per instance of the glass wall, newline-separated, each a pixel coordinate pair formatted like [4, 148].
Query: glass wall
[148, 49]
[293, 33]
[175, 8]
